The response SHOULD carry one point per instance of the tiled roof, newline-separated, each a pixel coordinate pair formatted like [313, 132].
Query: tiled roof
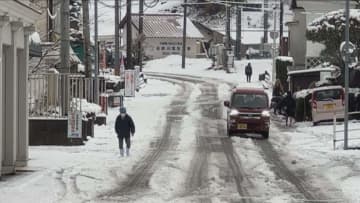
[166, 25]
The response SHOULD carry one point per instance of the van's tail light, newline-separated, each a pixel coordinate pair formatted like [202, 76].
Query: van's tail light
[314, 105]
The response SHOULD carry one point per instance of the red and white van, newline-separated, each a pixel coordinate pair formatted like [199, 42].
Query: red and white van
[326, 101]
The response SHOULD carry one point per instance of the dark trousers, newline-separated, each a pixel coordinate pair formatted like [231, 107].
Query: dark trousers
[121, 142]
[248, 78]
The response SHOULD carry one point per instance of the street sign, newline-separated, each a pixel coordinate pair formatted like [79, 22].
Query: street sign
[74, 124]
[353, 60]
[129, 83]
[274, 34]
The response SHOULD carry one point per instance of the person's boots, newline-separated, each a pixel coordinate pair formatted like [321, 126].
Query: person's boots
[127, 151]
[121, 152]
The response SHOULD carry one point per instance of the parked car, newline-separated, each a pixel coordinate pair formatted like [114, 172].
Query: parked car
[325, 102]
[248, 112]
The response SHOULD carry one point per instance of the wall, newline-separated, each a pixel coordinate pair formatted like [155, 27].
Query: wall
[297, 37]
[162, 47]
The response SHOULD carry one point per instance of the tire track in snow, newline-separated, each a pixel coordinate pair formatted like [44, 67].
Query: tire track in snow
[138, 182]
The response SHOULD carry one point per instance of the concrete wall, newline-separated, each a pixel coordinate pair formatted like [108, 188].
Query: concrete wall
[297, 37]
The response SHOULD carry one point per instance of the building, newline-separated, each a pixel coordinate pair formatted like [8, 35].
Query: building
[163, 35]
[17, 19]
[306, 54]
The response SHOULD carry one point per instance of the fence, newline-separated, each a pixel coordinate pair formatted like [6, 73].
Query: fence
[338, 131]
[53, 94]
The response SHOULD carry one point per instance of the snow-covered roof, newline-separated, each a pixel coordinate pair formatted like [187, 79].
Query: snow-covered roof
[327, 69]
[285, 58]
[166, 25]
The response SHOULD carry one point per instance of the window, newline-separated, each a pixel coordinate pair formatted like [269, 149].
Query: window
[248, 100]
[158, 48]
[174, 48]
[188, 48]
[168, 48]
[178, 48]
[162, 48]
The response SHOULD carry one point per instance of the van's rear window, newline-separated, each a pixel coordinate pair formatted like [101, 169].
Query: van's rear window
[324, 95]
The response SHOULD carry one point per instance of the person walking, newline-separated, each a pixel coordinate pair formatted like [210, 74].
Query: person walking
[277, 96]
[290, 104]
[124, 127]
[248, 72]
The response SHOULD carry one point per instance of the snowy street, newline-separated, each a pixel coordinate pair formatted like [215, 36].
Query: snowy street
[181, 153]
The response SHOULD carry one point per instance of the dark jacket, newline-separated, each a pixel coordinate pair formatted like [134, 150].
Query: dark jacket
[125, 126]
[248, 70]
[290, 104]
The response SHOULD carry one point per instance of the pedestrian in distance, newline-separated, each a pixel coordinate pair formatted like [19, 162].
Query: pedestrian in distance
[248, 72]
[290, 104]
[125, 128]
[277, 96]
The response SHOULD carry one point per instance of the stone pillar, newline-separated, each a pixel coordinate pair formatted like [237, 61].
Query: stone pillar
[3, 21]
[11, 102]
[23, 118]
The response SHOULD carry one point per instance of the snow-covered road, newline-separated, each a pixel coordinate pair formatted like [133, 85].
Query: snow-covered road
[181, 154]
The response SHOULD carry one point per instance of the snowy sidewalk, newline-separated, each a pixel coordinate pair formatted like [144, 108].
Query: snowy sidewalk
[74, 174]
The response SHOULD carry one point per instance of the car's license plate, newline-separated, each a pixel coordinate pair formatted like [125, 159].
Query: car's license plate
[329, 106]
[242, 126]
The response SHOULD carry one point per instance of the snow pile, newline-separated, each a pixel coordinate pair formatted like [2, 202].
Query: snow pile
[86, 107]
[35, 38]
[81, 68]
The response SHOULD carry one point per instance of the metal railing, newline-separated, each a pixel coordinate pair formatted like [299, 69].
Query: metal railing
[53, 94]
[335, 131]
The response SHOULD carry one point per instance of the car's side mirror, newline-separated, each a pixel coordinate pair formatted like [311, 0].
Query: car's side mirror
[227, 103]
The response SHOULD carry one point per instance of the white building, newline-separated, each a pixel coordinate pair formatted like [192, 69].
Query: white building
[163, 35]
[17, 18]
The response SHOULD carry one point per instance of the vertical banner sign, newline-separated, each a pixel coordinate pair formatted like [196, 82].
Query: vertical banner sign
[129, 83]
[74, 124]
[137, 73]
[122, 67]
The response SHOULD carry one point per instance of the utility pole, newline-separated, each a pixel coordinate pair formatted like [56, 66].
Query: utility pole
[274, 47]
[184, 37]
[266, 25]
[141, 32]
[117, 39]
[281, 34]
[128, 36]
[96, 94]
[346, 115]
[238, 33]
[87, 51]
[65, 55]
[227, 36]
[65, 37]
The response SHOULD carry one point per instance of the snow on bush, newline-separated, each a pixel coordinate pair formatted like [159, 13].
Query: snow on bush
[334, 20]
[86, 107]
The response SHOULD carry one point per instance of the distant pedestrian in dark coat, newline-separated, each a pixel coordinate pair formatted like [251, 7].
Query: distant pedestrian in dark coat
[248, 72]
[290, 104]
[124, 127]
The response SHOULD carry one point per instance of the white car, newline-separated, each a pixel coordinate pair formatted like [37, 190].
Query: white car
[327, 102]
